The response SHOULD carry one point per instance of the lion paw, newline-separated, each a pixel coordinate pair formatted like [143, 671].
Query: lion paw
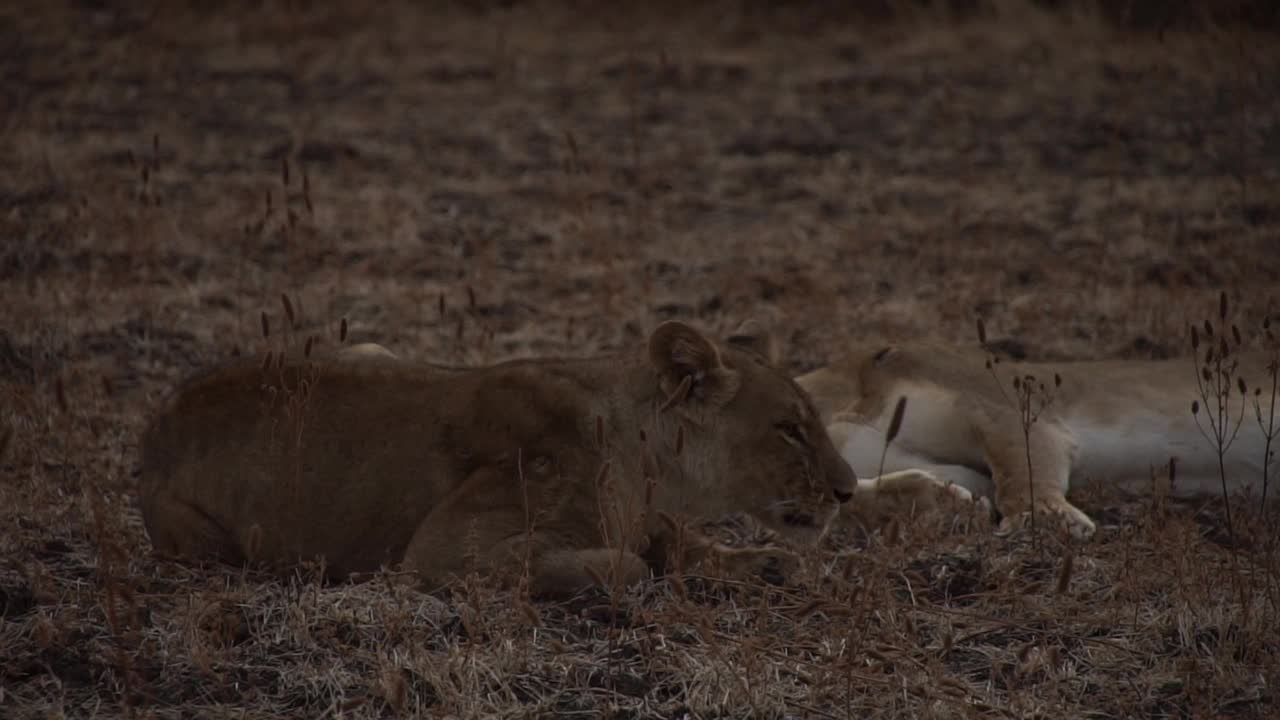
[774, 565]
[909, 491]
[1067, 516]
[955, 493]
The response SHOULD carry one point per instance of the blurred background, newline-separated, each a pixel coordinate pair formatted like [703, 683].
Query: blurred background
[465, 182]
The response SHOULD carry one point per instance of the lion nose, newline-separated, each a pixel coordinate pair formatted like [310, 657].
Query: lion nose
[843, 496]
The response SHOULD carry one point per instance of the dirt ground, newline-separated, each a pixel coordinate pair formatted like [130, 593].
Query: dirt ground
[535, 179]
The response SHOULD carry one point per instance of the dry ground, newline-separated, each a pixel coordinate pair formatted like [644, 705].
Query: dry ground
[467, 186]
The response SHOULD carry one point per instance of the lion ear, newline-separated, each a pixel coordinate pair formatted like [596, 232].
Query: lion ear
[757, 336]
[689, 367]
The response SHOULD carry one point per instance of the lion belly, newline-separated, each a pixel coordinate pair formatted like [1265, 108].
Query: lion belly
[862, 445]
[1124, 454]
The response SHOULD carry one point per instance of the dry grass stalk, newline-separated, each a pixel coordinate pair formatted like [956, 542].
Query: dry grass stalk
[288, 311]
[895, 427]
[1214, 372]
[1031, 397]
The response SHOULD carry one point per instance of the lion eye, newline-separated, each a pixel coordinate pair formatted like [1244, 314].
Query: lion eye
[793, 431]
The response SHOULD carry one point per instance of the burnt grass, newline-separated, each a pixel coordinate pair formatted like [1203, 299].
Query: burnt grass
[470, 185]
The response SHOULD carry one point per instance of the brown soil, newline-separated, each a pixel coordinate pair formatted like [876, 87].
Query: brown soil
[472, 185]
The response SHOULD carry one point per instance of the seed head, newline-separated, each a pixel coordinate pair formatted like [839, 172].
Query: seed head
[1064, 575]
[1195, 339]
[1222, 306]
[288, 308]
[1195, 407]
[982, 332]
[266, 325]
[895, 424]
[60, 391]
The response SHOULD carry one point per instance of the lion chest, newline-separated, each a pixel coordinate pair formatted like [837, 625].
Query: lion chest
[934, 423]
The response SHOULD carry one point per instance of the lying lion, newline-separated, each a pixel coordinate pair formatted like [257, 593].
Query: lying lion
[1111, 422]
[555, 468]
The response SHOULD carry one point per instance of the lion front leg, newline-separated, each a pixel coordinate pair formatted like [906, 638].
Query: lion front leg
[1030, 472]
[479, 529]
[564, 572]
[447, 547]
[559, 572]
[675, 548]
[907, 493]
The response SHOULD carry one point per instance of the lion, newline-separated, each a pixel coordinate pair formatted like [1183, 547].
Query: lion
[563, 472]
[1113, 422]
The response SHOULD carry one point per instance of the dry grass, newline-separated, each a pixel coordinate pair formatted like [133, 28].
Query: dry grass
[466, 186]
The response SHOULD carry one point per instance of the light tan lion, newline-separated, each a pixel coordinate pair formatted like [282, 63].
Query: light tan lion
[1111, 422]
[557, 467]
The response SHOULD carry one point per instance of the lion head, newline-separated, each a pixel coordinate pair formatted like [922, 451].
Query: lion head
[751, 437]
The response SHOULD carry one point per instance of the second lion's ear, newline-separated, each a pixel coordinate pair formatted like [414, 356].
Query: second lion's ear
[689, 365]
[757, 336]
